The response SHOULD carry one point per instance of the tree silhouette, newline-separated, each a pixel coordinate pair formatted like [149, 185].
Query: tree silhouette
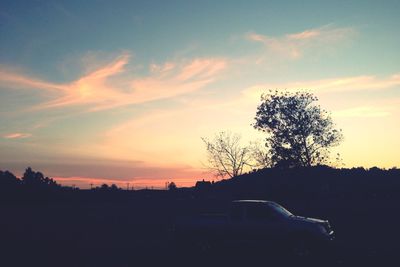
[172, 186]
[226, 156]
[114, 187]
[8, 182]
[36, 179]
[299, 132]
[104, 187]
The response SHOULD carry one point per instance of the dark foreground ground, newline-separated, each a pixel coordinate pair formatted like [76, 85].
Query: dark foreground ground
[137, 233]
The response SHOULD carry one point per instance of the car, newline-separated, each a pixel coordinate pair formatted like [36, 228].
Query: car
[256, 222]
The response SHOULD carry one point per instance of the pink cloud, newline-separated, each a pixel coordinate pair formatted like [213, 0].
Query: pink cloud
[164, 68]
[113, 85]
[17, 135]
[201, 68]
[21, 81]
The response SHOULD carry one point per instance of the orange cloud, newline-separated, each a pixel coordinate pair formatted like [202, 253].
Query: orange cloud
[92, 89]
[97, 91]
[294, 45]
[172, 80]
[17, 135]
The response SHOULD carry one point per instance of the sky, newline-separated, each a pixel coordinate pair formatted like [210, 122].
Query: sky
[122, 91]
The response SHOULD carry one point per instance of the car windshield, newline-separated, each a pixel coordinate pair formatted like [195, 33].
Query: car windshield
[281, 209]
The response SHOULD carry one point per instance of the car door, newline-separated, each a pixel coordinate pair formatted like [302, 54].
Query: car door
[263, 223]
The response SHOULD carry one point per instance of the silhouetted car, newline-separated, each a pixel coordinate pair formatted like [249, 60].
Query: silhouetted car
[255, 221]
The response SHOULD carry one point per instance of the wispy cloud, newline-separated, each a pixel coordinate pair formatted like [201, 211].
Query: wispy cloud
[293, 46]
[340, 84]
[364, 112]
[12, 79]
[113, 85]
[17, 135]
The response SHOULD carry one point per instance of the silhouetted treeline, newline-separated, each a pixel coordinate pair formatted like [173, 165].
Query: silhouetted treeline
[32, 185]
[321, 182]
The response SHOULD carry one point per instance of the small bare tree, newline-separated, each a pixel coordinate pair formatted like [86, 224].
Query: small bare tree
[226, 156]
[260, 155]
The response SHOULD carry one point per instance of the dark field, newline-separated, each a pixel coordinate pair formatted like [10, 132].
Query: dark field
[48, 225]
[131, 233]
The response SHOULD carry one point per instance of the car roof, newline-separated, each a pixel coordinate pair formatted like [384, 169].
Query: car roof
[252, 201]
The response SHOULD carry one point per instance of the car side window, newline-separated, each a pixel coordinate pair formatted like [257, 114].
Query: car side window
[259, 212]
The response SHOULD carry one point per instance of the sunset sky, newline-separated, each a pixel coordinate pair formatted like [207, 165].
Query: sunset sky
[123, 91]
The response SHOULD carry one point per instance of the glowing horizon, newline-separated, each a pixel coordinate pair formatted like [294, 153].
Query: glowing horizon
[127, 99]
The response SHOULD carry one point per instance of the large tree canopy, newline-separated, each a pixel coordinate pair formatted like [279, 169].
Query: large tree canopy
[300, 133]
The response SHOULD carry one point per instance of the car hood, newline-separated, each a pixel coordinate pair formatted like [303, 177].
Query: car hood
[305, 219]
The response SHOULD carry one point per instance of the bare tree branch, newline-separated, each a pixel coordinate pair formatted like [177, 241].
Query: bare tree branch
[227, 157]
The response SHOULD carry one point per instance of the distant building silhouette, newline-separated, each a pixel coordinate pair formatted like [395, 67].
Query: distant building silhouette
[203, 185]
